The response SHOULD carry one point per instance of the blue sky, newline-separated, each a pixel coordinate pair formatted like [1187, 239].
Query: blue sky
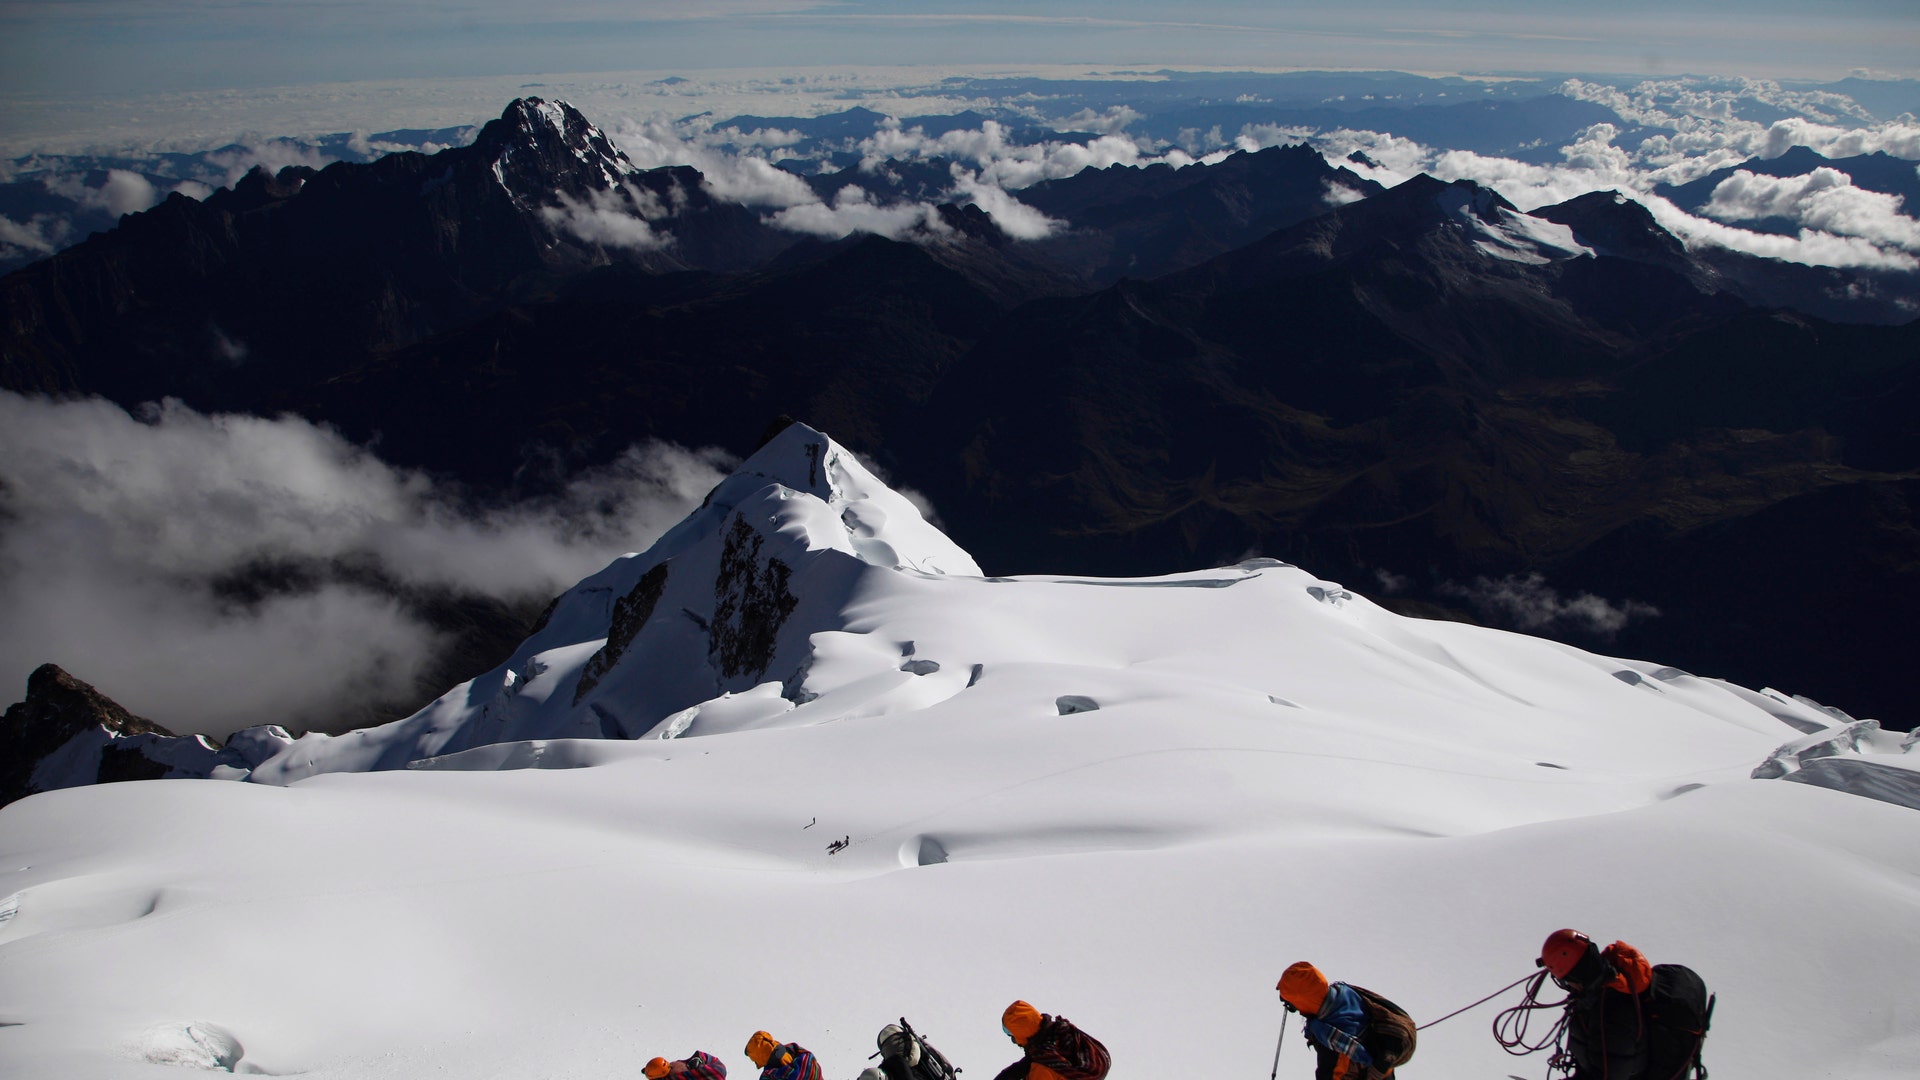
[53, 48]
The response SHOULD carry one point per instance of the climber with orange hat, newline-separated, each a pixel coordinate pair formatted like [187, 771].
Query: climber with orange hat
[781, 1061]
[699, 1065]
[1356, 1033]
[1051, 1047]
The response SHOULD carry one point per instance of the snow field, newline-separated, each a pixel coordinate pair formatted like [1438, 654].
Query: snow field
[1129, 802]
[575, 922]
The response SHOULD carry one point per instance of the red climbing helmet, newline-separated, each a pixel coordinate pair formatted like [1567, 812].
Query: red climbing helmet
[1563, 950]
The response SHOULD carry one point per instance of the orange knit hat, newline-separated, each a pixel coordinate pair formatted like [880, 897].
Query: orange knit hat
[657, 1068]
[1303, 987]
[1021, 1021]
[760, 1048]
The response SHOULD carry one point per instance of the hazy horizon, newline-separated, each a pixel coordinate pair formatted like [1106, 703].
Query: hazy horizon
[55, 51]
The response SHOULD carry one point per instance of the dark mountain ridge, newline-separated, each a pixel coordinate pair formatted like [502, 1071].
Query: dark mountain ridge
[1423, 384]
[287, 278]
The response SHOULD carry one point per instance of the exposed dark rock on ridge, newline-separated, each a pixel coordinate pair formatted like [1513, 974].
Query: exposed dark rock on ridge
[67, 734]
[630, 615]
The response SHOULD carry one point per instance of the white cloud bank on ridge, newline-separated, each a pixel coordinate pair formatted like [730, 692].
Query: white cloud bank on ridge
[1824, 199]
[121, 540]
[987, 168]
[1840, 225]
[853, 210]
[620, 218]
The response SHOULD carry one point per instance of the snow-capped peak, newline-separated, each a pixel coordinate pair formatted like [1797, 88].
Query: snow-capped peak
[541, 147]
[1496, 228]
[729, 604]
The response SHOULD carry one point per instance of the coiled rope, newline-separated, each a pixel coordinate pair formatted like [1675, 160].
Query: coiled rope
[1510, 1026]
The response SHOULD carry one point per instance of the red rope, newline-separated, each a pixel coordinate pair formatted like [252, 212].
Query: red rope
[1510, 1028]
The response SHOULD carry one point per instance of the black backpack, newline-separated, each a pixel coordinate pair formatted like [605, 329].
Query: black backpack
[1679, 1010]
[933, 1064]
[1389, 1034]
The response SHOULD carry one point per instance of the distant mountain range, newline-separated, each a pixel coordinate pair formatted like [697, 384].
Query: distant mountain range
[1419, 388]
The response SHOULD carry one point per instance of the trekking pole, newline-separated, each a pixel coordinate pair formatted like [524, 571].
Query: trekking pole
[1279, 1045]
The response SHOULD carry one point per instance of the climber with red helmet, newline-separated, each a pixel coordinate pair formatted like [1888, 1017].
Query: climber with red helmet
[781, 1061]
[1052, 1048]
[1607, 1022]
[1356, 1033]
[699, 1065]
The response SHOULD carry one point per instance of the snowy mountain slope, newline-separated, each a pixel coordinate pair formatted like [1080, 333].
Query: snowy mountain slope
[723, 604]
[1129, 801]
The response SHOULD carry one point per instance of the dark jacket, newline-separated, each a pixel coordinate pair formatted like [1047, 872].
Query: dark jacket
[1058, 1051]
[1606, 1014]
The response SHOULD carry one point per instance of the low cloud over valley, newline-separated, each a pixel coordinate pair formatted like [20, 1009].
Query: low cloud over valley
[160, 554]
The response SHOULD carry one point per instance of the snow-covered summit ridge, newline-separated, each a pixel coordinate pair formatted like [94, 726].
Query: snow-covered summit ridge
[730, 603]
[805, 592]
[1500, 230]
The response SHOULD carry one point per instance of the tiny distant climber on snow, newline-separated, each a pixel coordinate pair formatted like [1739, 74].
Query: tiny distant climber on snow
[1626, 1019]
[1356, 1033]
[1053, 1048]
[904, 1055]
[781, 1061]
[698, 1065]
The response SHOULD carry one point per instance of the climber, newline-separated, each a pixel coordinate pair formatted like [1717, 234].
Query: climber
[1356, 1033]
[699, 1065]
[905, 1055]
[781, 1061]
[1627, 1019]
[1052, 1048]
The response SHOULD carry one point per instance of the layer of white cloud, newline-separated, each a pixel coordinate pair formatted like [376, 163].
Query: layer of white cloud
[1824, 200]
[117, 534]
[1526, 602]
[853, 210]
[1015, 218]
[123, 192]
[41, 234]
[269, 154]
[740, 176]
[619, 218]
[1003, 163]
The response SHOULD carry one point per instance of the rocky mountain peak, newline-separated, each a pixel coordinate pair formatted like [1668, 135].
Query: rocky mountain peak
[539, 147]
[1613, 224]
[59, 710]
[1468, 197]
[59, 701]
[66, 734]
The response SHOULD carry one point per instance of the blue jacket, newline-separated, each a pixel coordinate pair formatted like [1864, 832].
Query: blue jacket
[791, 1062]
[1335, 1032]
